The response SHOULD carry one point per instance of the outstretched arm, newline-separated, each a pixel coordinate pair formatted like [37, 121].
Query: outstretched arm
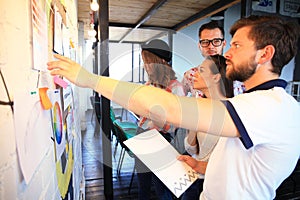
[204, 115]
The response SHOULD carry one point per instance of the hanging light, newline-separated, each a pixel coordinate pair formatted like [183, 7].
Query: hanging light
[94, 5]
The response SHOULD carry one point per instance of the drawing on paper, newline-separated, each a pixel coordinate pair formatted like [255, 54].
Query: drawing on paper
[57, 123]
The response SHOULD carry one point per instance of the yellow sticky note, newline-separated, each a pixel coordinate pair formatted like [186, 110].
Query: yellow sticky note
[45, 101]
[72, 44]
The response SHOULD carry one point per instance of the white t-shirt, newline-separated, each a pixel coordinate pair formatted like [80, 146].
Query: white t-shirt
[254, 169]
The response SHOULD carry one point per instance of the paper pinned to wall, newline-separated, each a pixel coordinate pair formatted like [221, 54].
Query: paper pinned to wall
[39, 35]
[161, 158]
[59, 128]
[30, 119]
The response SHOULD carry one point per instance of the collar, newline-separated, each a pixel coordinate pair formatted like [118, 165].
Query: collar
[269, 85]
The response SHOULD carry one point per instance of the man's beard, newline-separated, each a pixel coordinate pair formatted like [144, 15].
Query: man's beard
[242, 72]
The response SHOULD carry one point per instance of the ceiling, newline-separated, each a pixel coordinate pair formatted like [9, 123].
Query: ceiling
[138, 21]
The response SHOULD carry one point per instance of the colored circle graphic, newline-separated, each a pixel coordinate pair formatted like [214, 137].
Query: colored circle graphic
[57, 123]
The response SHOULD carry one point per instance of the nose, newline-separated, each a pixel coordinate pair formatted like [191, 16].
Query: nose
[227, 54]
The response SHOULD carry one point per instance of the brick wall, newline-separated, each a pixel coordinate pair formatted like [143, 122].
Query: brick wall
[16, 67]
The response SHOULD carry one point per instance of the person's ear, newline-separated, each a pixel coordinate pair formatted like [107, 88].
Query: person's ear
[224, 43]
[217, 77]
[266, 54]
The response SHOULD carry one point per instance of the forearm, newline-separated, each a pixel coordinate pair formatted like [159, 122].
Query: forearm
[189, 148]
[192, 138]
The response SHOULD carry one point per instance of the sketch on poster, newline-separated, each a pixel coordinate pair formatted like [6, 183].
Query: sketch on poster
[32, 144]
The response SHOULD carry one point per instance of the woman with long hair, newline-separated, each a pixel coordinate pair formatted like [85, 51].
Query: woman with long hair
[156, 56]
[211, 80]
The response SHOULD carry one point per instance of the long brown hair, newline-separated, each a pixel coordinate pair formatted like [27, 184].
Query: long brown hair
[220, 67]
[162, 70]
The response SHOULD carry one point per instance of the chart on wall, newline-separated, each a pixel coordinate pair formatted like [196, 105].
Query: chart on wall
[63, 131]
[62, 119]
[57, 123]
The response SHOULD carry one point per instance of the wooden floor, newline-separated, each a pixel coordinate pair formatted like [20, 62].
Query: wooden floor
[93, 169]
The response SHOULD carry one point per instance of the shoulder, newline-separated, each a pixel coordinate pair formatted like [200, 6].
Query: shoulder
[176, 87]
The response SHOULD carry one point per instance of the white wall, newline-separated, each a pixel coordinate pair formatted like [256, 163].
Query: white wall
[16, 67]
[186, 52]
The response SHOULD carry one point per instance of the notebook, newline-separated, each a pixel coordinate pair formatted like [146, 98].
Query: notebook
[161, 158]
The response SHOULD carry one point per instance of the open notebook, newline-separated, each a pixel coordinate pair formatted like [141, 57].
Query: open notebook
[161, 158]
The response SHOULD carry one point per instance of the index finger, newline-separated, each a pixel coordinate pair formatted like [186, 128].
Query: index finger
[62, 58]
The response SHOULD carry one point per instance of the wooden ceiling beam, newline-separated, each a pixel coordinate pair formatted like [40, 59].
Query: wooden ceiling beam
[125, 25]
[213, 9]
[145, 17]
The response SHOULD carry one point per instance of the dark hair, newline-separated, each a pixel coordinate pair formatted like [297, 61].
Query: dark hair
[272, 30]
[158, 48]
[220, 67]
[211, 25]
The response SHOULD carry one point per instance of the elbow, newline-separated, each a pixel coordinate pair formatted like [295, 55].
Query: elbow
[158, 113]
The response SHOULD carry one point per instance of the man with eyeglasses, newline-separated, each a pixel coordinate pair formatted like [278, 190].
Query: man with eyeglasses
[211, 39]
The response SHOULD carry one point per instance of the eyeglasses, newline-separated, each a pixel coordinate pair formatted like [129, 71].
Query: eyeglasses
[216, 42]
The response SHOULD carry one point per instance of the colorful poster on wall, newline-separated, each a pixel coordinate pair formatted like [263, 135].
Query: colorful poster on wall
[64, 158]
[59, 130]
[39, 35]
[32, 143]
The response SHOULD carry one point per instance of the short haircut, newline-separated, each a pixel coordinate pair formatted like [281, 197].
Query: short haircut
[272, 30]
[211, 25]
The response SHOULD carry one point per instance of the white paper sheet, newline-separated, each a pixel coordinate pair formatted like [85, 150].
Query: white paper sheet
[33, 131]
[161, 158]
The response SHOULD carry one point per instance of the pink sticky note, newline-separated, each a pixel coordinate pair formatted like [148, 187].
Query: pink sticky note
[60, 82]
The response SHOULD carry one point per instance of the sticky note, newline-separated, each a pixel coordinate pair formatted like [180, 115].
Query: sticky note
[60, 82]
[72, 44]
[45, 101]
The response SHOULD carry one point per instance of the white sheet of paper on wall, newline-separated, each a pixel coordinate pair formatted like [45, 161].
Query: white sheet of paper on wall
[33, 131]
[161, 158]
